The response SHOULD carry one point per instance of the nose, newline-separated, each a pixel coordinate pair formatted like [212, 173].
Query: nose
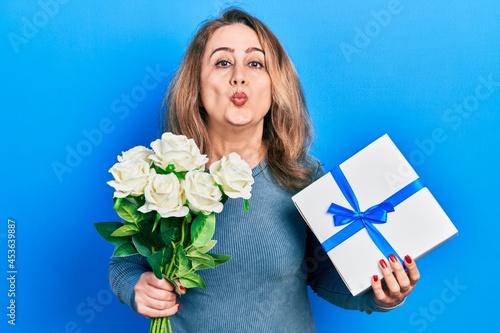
[238, 76]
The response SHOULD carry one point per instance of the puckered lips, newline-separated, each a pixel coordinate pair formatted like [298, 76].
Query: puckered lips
[239, 98]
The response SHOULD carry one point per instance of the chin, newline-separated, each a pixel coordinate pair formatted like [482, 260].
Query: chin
[239, 124]
[239, 119]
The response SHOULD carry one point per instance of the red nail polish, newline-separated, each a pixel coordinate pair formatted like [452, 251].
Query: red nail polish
[383, 264]
[178, 307]
[375, 278]
[408, 259]
[393, 258]
[182, 288]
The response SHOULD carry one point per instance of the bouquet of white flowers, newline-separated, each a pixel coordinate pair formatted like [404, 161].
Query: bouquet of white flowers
[168, 203]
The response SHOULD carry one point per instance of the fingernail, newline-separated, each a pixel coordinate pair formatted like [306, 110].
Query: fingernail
[393, 258]
[178, 307]
[383, 264]
[182, 288]
[408, 259]
[375, 278]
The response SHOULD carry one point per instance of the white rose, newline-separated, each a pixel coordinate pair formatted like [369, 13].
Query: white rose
[202, 193]
[234, 175]
[179, 151]
[164, 194]
[138, 152]
[130, 177]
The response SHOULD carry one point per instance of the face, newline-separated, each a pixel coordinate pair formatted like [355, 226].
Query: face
[235, 84]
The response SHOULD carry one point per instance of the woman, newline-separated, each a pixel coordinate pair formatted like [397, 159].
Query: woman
[237, 91]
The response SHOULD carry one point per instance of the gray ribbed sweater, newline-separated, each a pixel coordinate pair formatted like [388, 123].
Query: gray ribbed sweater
[263, 288]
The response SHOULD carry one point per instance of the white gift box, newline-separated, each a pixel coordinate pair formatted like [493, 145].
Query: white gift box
[417, 225]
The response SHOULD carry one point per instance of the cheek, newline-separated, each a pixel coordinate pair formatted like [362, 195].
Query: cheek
[211, 93]
[265, 91]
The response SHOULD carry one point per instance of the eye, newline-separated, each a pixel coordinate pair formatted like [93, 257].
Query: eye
[223, 63]
[255, 64]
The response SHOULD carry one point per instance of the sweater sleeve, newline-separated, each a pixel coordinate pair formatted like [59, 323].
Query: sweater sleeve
[123, 275]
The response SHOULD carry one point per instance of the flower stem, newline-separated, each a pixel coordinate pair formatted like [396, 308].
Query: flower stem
[169, 269]
[183, 230]
[162, 325]
[169, 330]
[153, 327]
[117, 204]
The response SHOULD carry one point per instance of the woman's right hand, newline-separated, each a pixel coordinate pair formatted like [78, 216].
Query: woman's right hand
[156, 298]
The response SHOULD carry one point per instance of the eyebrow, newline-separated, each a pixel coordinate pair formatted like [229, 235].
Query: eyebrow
[228, 49]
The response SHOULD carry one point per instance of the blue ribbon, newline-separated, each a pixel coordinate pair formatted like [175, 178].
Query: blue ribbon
[358, 220]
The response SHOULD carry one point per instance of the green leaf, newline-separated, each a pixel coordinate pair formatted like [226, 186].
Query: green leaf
[125, 230]
[125, 250]
[192, 280]
[168, 253]
[200, 260]
[128, 211]
[141, 248]
[210, 244]
[157, 219]
[169, 169]
[224, 197]
[180, 174]
[144, 216]
[155, 260]
[202, 229]
[148, 237]
[182, 263]
[105, 229]
[198, 266]
[170, 229]
[166, 235]
[219, 258]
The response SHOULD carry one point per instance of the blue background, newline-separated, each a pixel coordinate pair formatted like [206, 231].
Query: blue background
[77, 88]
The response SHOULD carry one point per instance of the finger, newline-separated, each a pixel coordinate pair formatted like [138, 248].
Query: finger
[378, 291]
[400, 274]
[157, 313]
[153, 281]
[145, 290]
[390, 280]
[158, 304]
[155, 298]
[160, 296]
[181, 287]
[150, 298]
[413, 272]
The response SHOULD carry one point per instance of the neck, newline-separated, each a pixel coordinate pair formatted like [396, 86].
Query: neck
[248, 145]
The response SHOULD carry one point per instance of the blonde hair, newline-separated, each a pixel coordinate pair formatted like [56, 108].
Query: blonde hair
[287, 126]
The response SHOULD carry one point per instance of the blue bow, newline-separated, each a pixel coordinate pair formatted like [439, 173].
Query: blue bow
[358, 220]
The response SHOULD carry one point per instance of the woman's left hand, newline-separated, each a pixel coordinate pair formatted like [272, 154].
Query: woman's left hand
[398, 282]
